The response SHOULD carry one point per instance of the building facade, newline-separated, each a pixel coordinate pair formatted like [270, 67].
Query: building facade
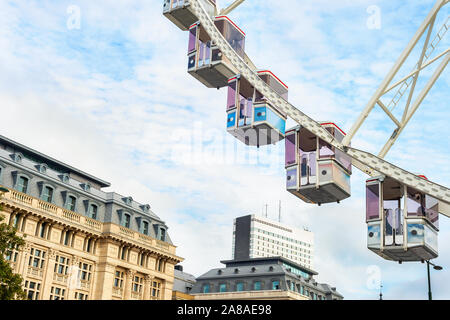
[274, 278]
[182, 284]
[81, 242]
[258, 237]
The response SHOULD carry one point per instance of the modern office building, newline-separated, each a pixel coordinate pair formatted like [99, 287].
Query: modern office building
[259, 237]
[274, 278]
[81, 242]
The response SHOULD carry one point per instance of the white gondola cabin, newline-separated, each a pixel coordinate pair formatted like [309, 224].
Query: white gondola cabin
[205, 61]
[181, 14]
[316, 172]
[250, 117]
[403, 223]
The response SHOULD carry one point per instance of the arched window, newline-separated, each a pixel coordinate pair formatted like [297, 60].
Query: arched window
[47, 194]
[93, 211]
[22, 184]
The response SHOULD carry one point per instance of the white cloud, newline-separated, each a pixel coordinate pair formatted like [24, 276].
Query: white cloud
[114, 111]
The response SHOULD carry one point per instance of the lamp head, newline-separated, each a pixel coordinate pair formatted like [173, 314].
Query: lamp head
[3, 190]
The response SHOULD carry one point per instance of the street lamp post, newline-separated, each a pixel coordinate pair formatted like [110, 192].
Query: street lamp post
[435, 267]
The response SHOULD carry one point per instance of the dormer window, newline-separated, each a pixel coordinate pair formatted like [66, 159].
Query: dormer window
[219, 272]
[145, 208]
[236, 270]
[42, 168]
[17, 157]
[86, 187]
[128, 200]
[65, 177]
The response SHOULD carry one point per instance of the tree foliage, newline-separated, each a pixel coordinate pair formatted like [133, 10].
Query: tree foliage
[10, 283]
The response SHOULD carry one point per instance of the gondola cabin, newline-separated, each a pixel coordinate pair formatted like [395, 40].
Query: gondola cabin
[251, 118]
[181, 14]
[403, 223]
[205, 61]
[316, 172]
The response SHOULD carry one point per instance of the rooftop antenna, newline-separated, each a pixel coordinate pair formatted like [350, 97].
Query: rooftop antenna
[266, 209]
[381, 292]
[279, 211]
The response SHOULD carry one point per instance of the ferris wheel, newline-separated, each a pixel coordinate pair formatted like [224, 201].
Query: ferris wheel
[402, 208]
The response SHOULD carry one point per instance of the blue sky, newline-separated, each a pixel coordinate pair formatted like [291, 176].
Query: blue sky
[113, 98]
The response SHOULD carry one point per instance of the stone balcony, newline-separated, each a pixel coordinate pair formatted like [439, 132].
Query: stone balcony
[67, 216]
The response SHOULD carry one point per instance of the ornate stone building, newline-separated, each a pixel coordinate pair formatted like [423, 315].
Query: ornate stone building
[270, 278]
[81, 242]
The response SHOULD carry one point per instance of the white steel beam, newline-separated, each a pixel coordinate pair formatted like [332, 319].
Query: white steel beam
[386, 110]
[419, 65]
[231, 7]
[444, 208]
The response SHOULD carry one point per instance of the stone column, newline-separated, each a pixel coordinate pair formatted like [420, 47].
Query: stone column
[166, 290]
[38, 228]
[48, 231]
[94, 246]
[23, 223]
[19, 220]
[147, 287]
[104, 281]
[48, 275]
[72, 238]
[23, 260]
[10, 220]
[128, 284]
[73, 281]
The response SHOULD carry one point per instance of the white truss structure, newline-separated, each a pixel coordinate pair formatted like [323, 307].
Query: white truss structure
[368, 163]
[410, 81]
